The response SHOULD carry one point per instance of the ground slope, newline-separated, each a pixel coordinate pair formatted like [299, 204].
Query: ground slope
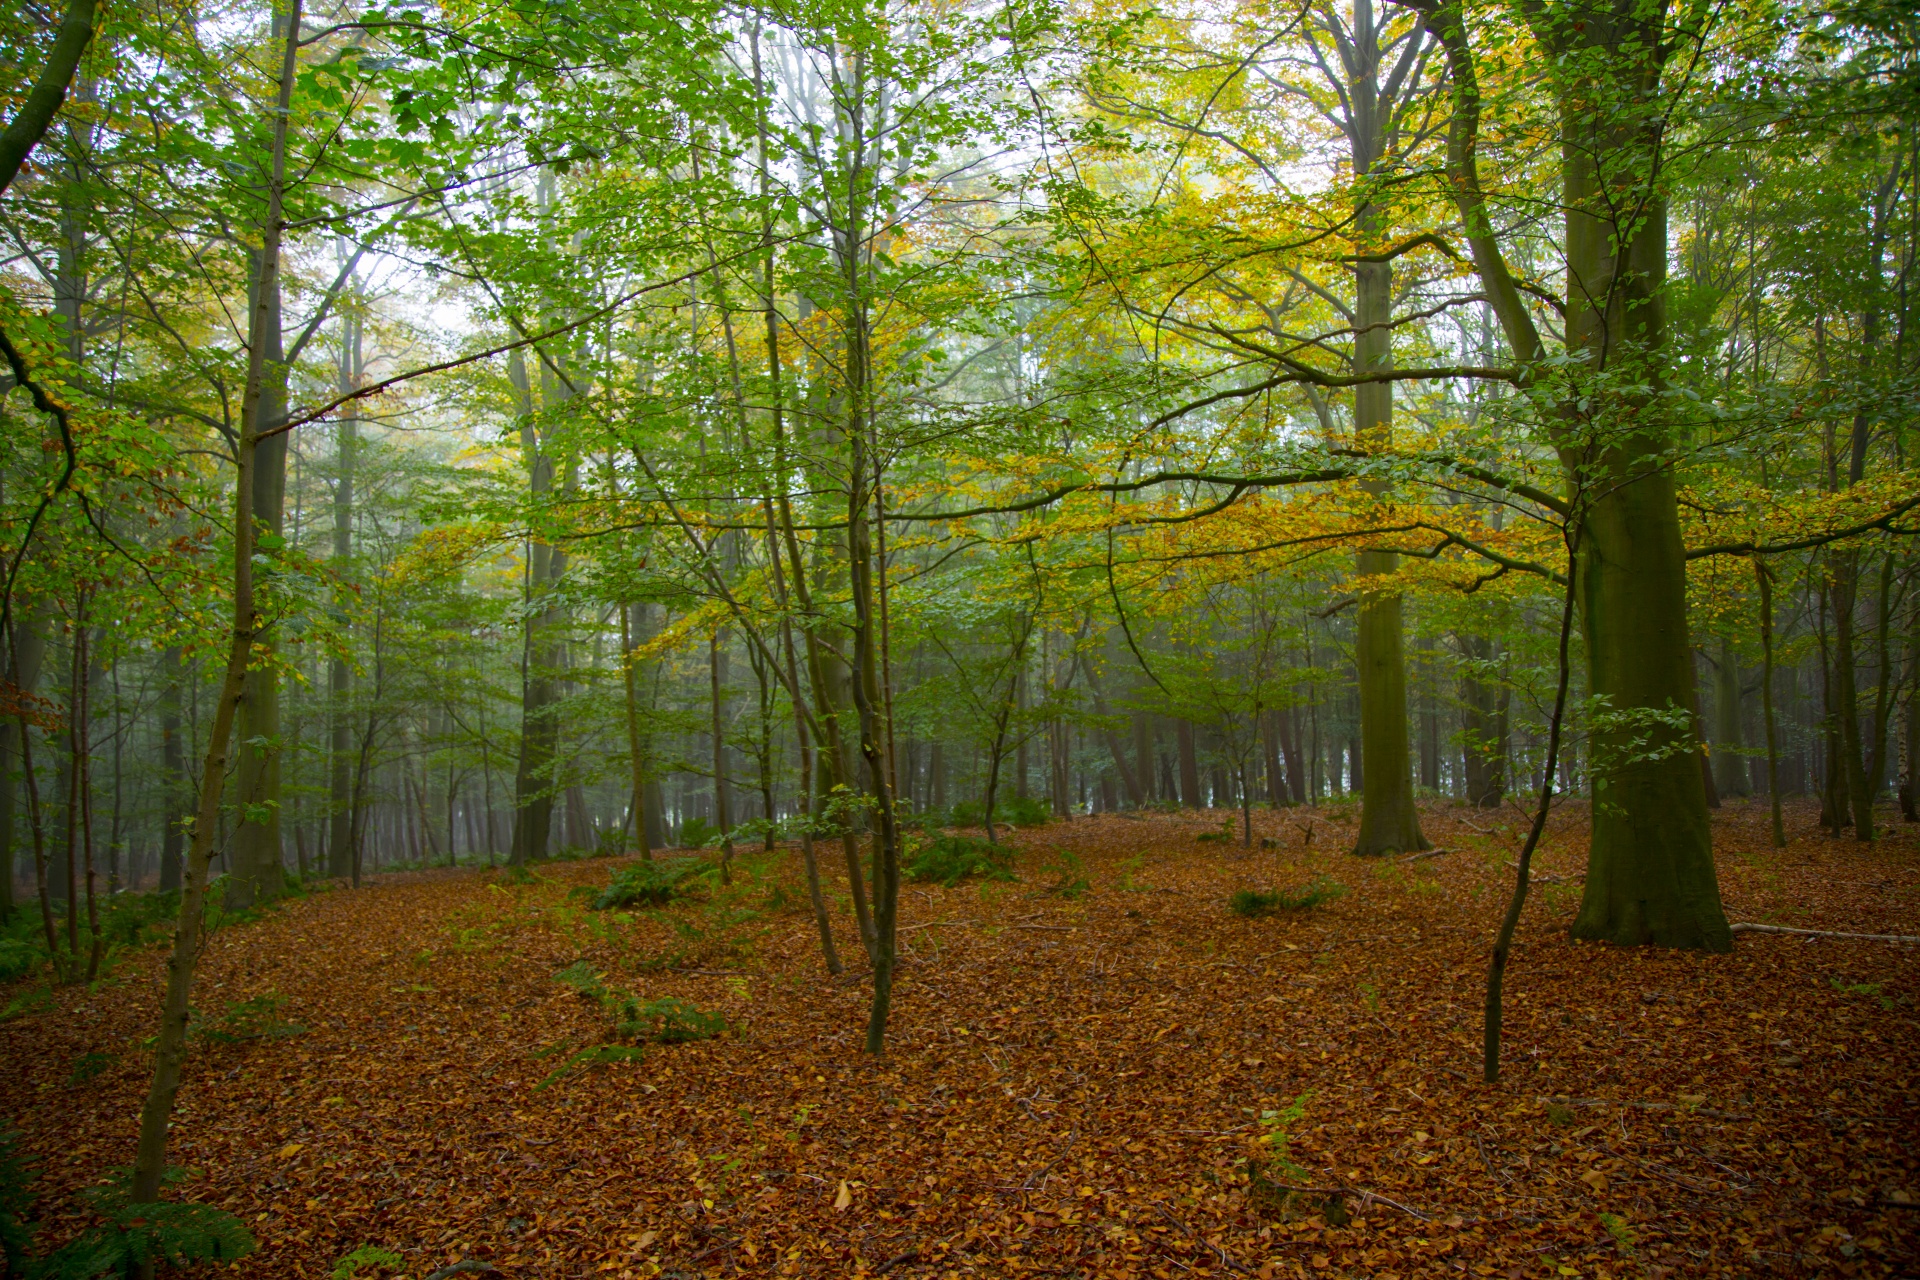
[1075, 1085]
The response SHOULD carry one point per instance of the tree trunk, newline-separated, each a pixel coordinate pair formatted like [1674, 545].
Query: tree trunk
[1650, 874]
[150, 1158]
[339, 670]
[1270, 757]
[542, 654]
[1143, 755]
[1189, 765]
[27, 651]
[722, 791]
[1910, 772]
[174, 783]
[632, 626]
[1730, 775]
[257, 875]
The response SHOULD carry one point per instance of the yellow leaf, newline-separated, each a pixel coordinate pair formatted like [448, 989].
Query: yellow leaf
[843, 1201]
[290, 1150]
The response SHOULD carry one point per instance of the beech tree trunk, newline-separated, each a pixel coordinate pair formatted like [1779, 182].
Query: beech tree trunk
[1189, 765]
[170, 1048]
[257, 875]
[174, 783]
[1730, 773]
[1650, 873]
[340, 753]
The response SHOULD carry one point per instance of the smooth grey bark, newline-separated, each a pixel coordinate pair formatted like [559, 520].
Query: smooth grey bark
[543, 651]
[1190, 797]
[150, 1157]
[340, 753]
[1650, 873]
[24, 658]
[254, 855]
[1730, 775]
[175, 785]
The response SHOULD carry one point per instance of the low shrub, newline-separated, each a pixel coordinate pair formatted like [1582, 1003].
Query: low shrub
[134, 1239]
[1023, 811]
[18, 958]
[951, 859]
[367, 1255]
[667, 1020]
[671, 1020]
[255, 1019]
[1015, 811]
[652, 884]
[698, 833]
[1258, 902]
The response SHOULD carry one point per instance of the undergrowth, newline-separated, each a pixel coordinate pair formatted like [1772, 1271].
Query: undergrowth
[1016, 811]
[665, 1020]
[134, 1239]
[652, 884]
[951, 859]
[1266, 902]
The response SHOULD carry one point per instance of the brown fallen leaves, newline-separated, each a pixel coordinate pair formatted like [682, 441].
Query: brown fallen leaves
[1075, 1085]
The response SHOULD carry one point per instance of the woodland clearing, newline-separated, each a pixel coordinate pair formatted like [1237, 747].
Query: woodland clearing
[1077, 1076]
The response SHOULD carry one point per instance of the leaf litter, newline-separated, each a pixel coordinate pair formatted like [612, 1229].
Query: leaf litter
[1130, 1081]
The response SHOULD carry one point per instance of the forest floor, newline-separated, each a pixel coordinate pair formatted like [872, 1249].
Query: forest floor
[1074, 1086]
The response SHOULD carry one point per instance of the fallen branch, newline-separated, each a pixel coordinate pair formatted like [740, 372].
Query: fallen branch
[1644, 1106]
[934, 924]
[1425, 853]
[1552, 879]
[1822, 933]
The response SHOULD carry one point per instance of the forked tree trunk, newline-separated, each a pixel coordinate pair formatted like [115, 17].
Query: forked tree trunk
[1650, 874]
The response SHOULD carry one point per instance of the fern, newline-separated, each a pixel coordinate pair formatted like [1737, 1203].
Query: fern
[136, 1237]
[951, 859]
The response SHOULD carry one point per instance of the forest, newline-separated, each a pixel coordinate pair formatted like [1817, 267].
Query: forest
[959, 637]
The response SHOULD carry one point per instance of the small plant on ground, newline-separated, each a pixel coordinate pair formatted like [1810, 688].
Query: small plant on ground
[135, 1238]
[91, 1065]
[32, 1000]
[255, 1019]
[18, 958]
[1072, 883]
[370, 1256]
[1862, 989]
[667, 1020]
[1272, 1171]
[1224, 835]
[1127, 869]
[1023, 811]
[1275, 1139]
[652, 884]
[951, 859]
[1622, 1233]
[1259, 902]
[671, 1020]
[698, 833]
